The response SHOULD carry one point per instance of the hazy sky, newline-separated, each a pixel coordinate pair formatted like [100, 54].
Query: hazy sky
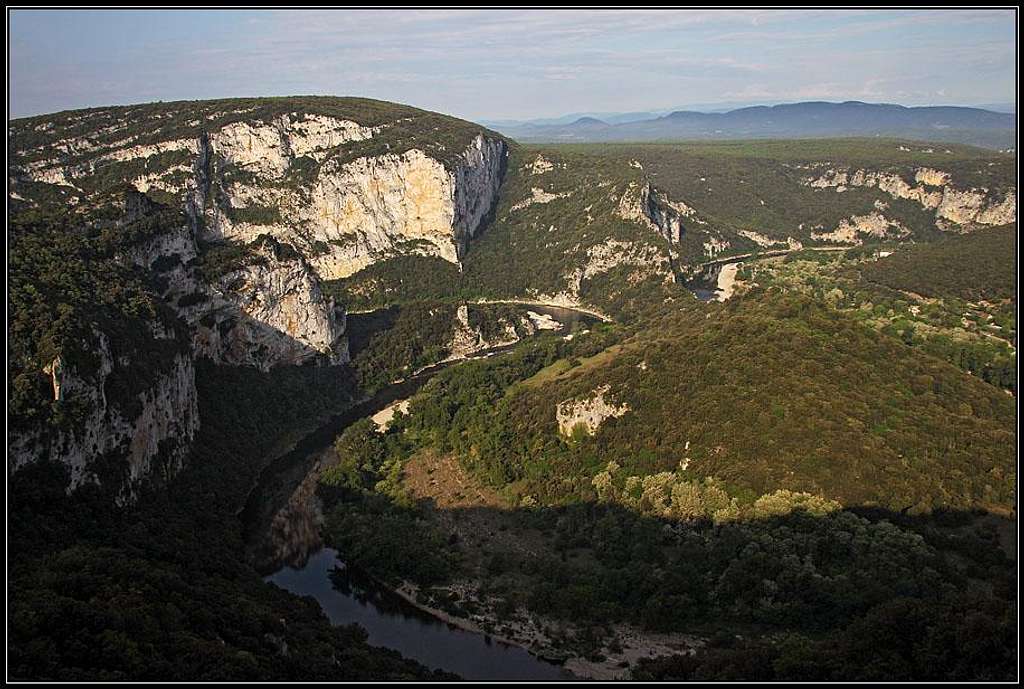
[512, 64]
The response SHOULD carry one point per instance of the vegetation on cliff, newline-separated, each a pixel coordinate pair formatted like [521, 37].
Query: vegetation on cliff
[67, 285]
[163, 590]
[808, 464]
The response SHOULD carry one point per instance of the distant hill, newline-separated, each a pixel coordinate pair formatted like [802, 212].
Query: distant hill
[974, 126]
[571, 118]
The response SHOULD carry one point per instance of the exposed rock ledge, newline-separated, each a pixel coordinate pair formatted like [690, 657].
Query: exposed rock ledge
[589, 413]
[965, 208]
[276, 315]
[152, 432]
[852, 230]
[353, 214]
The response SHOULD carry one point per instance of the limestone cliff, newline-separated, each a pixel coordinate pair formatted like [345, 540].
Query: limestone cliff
[955, 208]
[343, 212]
[372, 208]
[232, 213]
[853, 230]
[149, 429]
[270, 312]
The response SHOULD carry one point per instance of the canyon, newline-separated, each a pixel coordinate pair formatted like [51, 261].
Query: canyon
[209, 298]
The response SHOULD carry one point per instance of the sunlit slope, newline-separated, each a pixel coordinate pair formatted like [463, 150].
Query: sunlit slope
[762, 394]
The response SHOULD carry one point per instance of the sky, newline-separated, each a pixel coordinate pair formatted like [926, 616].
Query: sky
[512, 64]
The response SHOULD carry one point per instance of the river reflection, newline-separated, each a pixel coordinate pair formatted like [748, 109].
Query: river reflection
[392, 622]
[281, 520]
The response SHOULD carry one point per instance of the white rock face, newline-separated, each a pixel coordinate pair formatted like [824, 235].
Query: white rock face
[467, 340]
[642, 204]
[853, 230]
[276, 314]
[542, 321]
[757, 237]
[726, 284]
[385, 416]
[934, 178]
[154, 433]
[591, 412]
[538, 195]
[271, 312]
[478, 176]
[540, 165]
[370, 208]
[268, 149]
[964, 208]
[612, 253]
[714, 246]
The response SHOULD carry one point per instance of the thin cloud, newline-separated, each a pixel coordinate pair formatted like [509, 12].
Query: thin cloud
[505, 64]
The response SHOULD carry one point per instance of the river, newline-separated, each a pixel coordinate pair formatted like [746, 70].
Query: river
[281, 526]
[347, 597]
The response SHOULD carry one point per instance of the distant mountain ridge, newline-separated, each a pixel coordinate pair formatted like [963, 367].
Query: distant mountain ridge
[812, 119]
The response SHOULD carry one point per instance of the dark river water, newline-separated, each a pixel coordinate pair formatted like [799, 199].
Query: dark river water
[392, 622]
[281, 520]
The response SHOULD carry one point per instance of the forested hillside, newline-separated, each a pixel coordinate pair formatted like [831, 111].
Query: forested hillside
[975, 267]
[746, 487]
[609, 225]
[831, 449]
[163, 590]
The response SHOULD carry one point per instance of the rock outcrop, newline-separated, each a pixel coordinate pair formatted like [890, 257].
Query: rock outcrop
[955, 208]
[268, 311]
[289, 193]
[271, 312]
[468, 339]
[588, 413]
[645, 205]
[852, 230]
[148, 430]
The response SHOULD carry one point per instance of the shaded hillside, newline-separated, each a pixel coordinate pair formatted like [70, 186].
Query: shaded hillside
[162, 590]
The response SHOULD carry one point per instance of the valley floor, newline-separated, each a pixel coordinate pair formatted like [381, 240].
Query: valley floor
[481, 520]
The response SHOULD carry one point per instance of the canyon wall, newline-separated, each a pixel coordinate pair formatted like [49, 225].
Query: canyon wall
[270, 204]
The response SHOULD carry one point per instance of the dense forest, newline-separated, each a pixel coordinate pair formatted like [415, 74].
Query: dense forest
[972, 267]
[953, 322]
[869, 425]
[163, 590]
[676, 555]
